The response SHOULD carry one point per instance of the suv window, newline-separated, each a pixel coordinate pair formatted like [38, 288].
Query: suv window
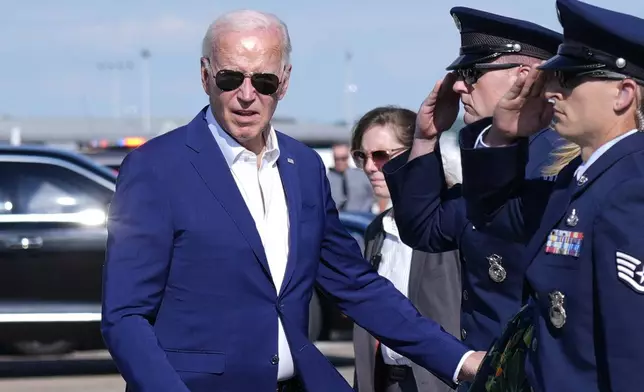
[41, 188]
[7, 192]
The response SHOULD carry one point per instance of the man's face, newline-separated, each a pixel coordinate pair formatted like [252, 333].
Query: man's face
[341, 158]
[480, 98]
[244, 112]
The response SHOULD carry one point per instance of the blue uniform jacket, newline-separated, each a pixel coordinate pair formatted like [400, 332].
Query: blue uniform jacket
[586, 245]
[188, 300]
[433, 219]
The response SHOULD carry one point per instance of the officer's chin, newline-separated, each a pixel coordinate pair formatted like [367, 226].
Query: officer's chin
[381, 191]
[470, 118]
[559, 125]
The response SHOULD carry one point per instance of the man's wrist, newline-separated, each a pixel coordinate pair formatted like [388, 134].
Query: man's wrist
[423, 138]
[459, 373]
[495, 138]
[422, 146]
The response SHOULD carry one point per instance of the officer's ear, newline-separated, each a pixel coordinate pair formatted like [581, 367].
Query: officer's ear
[524, 69]
[627, 95]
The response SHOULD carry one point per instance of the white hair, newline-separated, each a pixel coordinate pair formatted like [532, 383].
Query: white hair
[451, 157]
[244, 21]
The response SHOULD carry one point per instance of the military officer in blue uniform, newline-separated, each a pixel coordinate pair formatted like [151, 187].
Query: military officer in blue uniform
[495, 50]
[585, 258]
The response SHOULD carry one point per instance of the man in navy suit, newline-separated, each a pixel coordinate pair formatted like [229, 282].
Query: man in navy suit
[218, 231]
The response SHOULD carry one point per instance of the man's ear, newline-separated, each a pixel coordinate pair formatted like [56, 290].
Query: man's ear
[627, 95]
[525, 69]
[205, 74]
[285, 82]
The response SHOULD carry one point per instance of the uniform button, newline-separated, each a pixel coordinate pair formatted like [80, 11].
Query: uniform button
[275, 360]
[463, 334]
[465, 295]
[473, 227]
[534, 344]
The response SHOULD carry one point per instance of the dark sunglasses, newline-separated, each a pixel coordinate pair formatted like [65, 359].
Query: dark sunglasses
[471, 75]
[572, 79]
[379, 157]
[263, 83]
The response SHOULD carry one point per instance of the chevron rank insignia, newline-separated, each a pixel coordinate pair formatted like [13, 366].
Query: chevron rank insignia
[630, 271]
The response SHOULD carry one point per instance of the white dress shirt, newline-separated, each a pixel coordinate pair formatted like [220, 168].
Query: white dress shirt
[263, 193]
[395, 265]
[479, 140]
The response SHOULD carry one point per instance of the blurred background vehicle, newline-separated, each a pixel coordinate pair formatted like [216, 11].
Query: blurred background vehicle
[53, 210]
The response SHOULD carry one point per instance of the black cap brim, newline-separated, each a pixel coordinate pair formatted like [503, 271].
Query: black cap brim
[465, 60]
[563, 63]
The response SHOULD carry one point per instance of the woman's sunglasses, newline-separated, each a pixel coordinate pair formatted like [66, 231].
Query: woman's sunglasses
[379, 157]
[264, 83]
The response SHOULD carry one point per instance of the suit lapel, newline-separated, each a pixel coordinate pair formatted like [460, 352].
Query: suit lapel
[374, 238]
[209, 162]
[287, 166]
[418, 262]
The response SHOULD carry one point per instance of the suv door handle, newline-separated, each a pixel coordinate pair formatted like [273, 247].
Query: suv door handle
[24, 242]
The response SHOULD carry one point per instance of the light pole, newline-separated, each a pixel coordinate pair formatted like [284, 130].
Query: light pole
[145, 89]
[349, 90]
[114, 68]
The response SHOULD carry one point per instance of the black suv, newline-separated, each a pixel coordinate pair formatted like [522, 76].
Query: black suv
[53, 207]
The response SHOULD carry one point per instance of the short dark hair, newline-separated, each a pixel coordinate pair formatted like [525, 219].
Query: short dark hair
[403, 121]
[517, 58]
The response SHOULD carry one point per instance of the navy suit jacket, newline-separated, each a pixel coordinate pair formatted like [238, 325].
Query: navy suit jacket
[586, 244]
[433, 219]
[188, 300]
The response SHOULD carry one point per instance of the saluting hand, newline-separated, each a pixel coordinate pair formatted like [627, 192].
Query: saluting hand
[523, 110]
[439, 110]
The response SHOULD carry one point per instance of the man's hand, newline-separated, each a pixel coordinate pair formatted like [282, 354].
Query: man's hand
[435, 116]
[471, 366]
[522, 111]
[439, 110]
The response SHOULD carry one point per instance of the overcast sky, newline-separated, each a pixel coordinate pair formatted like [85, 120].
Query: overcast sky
[50, 51]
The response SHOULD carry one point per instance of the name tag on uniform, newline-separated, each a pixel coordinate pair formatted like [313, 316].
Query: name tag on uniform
[564, 242]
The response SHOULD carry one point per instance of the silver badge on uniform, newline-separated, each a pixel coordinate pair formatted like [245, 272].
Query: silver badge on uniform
[557, 311]
[572, 219]
[497, 272]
